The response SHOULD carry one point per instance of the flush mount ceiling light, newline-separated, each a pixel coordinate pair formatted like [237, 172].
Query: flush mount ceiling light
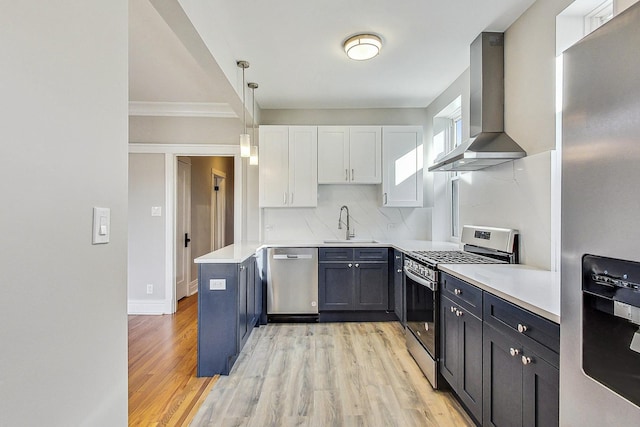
[362, 46]
[245, 140]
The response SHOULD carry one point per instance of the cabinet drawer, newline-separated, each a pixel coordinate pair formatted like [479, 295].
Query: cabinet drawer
[462, 293]
[371, 254]
[505, 315]
[335, 254]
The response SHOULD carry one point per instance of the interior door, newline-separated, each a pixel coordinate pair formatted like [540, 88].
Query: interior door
[183, 229]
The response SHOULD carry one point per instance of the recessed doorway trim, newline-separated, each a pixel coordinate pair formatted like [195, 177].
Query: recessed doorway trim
[171, 152]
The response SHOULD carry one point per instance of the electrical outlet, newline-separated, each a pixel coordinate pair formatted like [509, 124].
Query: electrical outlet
[150, 288]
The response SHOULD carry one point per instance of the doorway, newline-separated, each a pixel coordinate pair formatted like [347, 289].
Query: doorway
[211, 206]
[218, 207]
[183, 228]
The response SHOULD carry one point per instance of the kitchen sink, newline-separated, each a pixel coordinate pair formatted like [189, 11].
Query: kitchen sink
[350, 241]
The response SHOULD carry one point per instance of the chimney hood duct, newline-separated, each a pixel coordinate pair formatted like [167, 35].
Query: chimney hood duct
[488, 145]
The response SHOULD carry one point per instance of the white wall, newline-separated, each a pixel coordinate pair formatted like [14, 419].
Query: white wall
[63, 79]
[529, 77]
[146, 232]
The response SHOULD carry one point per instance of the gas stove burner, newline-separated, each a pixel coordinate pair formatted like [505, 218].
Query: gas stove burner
[452, 257]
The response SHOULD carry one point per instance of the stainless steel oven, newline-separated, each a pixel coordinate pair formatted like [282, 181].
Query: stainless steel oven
[422, 316]
[482, 245]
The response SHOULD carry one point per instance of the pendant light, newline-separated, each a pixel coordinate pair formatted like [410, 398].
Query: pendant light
[245, 139]
[253, 159]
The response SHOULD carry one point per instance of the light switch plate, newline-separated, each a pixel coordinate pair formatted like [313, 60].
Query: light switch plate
[101, 225]
[217, 284]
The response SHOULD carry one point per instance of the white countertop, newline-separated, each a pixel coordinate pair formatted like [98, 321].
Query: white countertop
[231, 254]
[528, 287]
[239, 252]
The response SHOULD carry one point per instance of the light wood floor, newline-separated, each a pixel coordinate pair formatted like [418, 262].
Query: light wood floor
[331, 374]
[163, 388]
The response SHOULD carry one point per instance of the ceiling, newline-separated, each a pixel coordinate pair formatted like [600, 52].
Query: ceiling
[295, 50]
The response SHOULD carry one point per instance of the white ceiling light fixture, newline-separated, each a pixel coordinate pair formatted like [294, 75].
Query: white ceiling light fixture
[253, 158]
[362, 46]
[245, 139]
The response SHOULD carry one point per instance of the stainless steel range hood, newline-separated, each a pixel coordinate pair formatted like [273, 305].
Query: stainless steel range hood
[489, 145]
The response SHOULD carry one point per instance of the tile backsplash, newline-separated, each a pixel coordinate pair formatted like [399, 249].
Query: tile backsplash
[368, 218]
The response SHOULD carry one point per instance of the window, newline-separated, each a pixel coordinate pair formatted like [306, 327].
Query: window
[598, 16]
[447, 130]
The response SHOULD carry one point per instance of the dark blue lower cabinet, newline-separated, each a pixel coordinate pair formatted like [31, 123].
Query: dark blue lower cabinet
[502, 381]
[353, 279]
[398, 286]
[520, 388]
[226, 314]
[461, 354]
[541, 397]
[371, 281]
[335, 286]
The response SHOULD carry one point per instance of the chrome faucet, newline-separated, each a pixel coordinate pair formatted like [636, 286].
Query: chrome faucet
[349, 234]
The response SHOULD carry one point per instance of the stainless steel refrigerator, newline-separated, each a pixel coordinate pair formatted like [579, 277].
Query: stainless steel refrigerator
[600, 327]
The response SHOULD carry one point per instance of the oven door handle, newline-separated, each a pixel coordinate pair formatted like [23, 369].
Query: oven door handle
[419, 280]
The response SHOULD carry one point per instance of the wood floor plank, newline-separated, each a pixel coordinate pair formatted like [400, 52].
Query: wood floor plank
[330, 374]
[163, 387]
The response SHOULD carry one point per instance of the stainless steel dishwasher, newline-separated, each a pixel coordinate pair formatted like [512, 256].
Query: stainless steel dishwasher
[292, 284]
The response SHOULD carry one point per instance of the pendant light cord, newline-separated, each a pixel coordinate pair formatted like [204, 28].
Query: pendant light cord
[244, 110]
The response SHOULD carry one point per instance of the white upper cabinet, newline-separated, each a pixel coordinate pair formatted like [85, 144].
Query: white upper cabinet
[402, 166]
[349, 155]
[288, 166]
[333, 154]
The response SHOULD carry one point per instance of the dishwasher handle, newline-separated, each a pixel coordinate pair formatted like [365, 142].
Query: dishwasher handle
[292, 256]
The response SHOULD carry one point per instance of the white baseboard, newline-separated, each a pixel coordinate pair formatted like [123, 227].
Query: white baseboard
[193, 287]
[156, 307]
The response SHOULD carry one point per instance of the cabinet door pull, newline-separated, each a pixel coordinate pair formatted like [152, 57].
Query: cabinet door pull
[399, 270]
[357, 265]
[453, 309]
[514, 351]
[350, 265]
[526, 360]
[522, 328]
[291, 198]
[459, 313]
[352, 175]
[457, 291]
[285, 198]
[385, 198]
[346, 174]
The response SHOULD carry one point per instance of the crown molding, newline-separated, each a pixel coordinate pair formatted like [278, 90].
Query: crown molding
[182, 109]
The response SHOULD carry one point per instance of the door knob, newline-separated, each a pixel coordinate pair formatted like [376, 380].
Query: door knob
[186, 240]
